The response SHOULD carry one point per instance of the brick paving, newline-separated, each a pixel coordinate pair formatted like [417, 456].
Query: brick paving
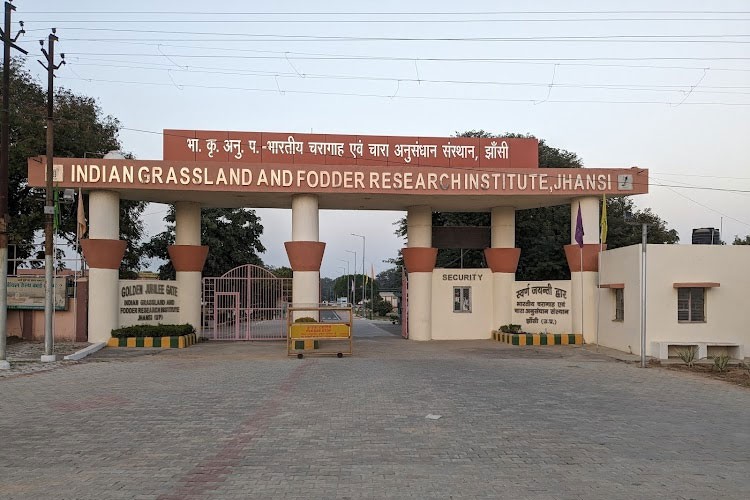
[25, 356]
[241, 420]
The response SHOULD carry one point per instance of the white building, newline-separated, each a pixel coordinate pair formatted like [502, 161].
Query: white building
[696, 295]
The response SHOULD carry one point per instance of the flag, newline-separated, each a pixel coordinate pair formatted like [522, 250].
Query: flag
[372, 271]
[81, 218]
[579, 228]
[603, 223]
[352, 286]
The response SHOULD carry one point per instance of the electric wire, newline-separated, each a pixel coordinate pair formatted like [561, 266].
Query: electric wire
[313, 76]
[409, 97]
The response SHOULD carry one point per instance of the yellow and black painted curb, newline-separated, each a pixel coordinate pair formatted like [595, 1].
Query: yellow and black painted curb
[538, 338]
[176, 342]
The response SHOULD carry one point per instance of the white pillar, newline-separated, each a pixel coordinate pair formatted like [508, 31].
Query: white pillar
[189, 283]
[104, 224]
[419, 235]
[503, 227]
[503, 235]
[589, 216]
[305, 224]
[584, 284]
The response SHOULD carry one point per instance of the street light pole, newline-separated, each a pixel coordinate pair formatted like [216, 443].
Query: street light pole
[354, 284]
[644, 245]
[644, 248]
[9, 42]
[364, 289]
[348, 291]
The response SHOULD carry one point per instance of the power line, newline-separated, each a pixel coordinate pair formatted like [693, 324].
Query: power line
[296, 75]
[329, 56]
[399, 21]
[395, 96]
[706, 206]
[426, 59]
[381, 13]
[307, 38]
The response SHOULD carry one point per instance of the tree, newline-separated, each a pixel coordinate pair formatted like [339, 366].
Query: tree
[81, 129]
[744, 241]
[281, 272]
[232, 236]
[326, 290]
[541, 233]
[390, 279]
[621, 234]
[382, 308]
[342, 287]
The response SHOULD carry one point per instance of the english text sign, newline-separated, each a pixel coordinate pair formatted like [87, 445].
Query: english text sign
[148, 302]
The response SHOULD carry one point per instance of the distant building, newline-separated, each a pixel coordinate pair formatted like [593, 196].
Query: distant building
[389, 297]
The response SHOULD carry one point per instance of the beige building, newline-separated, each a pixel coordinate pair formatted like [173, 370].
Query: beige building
[697, 295]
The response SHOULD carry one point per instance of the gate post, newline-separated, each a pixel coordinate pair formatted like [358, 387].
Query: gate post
[502, 259]
[103, 251]
[584, 279]
[305, 252]
[188, 258]
[419, 260]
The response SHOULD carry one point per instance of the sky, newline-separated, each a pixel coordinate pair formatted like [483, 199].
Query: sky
[663, 85]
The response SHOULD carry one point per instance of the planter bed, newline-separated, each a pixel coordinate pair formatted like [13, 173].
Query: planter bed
[173, 342]
[538, 338]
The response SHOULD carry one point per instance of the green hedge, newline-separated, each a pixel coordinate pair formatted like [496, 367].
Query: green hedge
[306, 319]
[153, 331]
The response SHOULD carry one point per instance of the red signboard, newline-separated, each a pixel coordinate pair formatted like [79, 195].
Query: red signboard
[364, 150]
[187, 175]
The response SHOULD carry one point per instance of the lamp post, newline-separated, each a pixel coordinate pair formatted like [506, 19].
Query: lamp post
[347, 278]
[364, 289]
[354, 284]
[644, 246]
[336, 299]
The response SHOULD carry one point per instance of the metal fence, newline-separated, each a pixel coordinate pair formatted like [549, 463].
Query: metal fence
[247, 303]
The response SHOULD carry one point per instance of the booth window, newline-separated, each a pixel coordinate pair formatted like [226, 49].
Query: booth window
[462, 299]
[619, 304]
[691, 305]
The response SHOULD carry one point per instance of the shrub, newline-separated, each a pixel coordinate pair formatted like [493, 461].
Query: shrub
[305, 319]
[510, 328]
[153, 331]
[721, 362]
[382, 308]
[688, 356]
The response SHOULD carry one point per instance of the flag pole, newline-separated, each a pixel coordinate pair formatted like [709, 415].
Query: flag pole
[598, 287]
[580, 251]
[578, 237]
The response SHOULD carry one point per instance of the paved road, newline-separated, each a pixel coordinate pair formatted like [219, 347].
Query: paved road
[241, 420]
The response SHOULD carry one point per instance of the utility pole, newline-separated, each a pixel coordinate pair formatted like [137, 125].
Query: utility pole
[8, 43]
[364, 288]
[49, 209]
[644, 247]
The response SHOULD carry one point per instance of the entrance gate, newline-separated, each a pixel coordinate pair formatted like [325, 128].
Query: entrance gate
[247, 303]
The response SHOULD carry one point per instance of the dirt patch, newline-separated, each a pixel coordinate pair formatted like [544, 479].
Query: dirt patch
[734, 374]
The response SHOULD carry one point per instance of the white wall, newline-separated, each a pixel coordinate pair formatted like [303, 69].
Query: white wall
[727, 306]
[621, 266]
[477, 324]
